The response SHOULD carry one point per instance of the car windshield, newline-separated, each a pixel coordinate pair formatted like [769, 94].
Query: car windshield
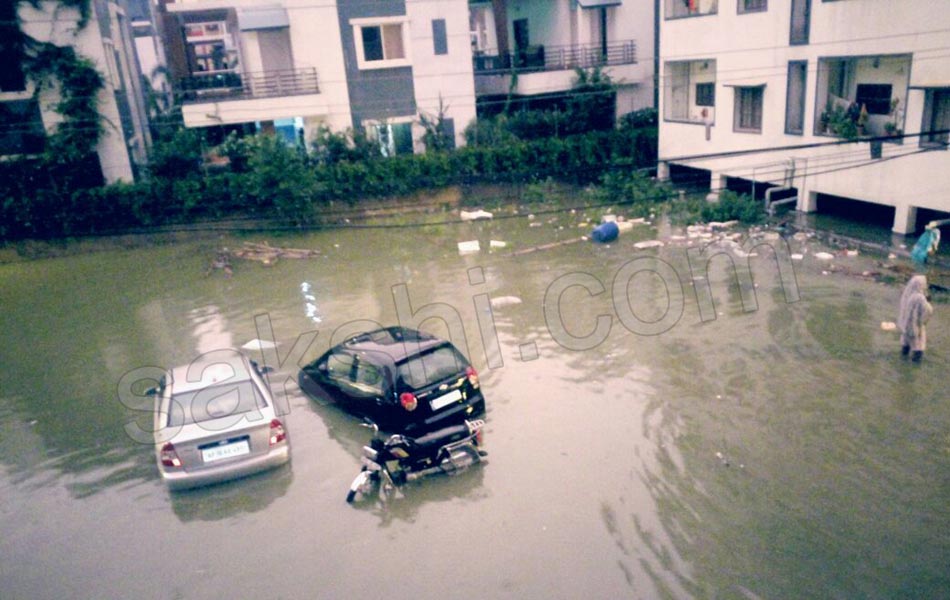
[214, 402]
[433, 366]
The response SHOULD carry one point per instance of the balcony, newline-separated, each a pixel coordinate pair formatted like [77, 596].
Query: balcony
[862, 96]
[231, 85]
[534, 59]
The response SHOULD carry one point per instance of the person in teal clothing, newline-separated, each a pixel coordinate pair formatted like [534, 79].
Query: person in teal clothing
[912, 316]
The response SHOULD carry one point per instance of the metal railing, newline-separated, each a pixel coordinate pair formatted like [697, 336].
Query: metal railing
[557, 58]
[232, 85]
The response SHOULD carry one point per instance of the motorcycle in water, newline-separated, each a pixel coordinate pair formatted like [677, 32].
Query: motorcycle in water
[399, 459]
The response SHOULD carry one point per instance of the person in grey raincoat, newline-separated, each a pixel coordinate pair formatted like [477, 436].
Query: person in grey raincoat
[913, 313]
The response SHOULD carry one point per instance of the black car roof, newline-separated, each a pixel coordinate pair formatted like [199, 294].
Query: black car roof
[397, 342]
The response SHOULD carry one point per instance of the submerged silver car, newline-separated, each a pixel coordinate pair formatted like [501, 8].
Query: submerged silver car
[215, 420]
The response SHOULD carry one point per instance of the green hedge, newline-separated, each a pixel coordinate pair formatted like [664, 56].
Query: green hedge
[279, 181]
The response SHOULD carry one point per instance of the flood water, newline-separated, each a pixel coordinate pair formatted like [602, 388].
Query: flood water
[655, 429]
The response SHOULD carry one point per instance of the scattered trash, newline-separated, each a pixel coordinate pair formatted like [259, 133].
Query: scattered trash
[722, 459]
[824, 255]
[648, 244]
[722, 224]
[222, 261]
[605, 232]
[891, 256]
[469, 247]
[502, 301]
[608, 219]
[474, 215]
[851, 252]
[268, 255]
[624, 226]
[797, 256]
[258, 344]
[888, 326]
[497, 244]
[548, 246]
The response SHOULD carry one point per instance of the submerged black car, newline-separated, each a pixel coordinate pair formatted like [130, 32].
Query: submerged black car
[404, 380]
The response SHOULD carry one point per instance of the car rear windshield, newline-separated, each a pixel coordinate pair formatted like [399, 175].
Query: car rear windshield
[435, 365]
[214, 402]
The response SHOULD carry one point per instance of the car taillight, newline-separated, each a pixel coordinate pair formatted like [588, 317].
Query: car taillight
[472, 376]
[479, 437]
[408, 401]
[277, 432]
[169, 457]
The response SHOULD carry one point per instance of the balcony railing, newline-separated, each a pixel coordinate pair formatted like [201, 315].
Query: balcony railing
[557, 58]
[231, 85]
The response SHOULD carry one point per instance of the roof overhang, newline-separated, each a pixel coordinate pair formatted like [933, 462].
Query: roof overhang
[599, 3]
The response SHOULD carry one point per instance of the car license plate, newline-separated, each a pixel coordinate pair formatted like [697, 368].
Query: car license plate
[446, 399]
[226, 451]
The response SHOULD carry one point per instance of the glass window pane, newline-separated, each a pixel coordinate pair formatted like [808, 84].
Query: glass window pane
[372, 43]
[439, 39]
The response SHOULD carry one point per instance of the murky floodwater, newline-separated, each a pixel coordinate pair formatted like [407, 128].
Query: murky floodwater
[647, 438]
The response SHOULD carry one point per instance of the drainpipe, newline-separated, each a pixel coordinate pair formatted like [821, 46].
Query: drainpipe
[788, 180]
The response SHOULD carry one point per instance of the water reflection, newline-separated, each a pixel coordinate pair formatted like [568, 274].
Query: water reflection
[233, 498]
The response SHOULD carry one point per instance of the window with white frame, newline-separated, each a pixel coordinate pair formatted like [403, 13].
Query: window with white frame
[747, 6]
[748, 109]
[381, 43]
[935, 127]
[689, 91]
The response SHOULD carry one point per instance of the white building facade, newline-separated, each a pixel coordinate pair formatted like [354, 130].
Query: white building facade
[300, 65]
[106, 40]
[845, 101]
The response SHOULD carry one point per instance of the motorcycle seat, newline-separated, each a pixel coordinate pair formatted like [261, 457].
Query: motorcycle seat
[440, 437]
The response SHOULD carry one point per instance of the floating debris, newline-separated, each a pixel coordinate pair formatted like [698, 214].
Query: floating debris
[648, 244]
[824, 255]
[469, 247]
[497, 244]
[888, 326]
[268, 255]
[259, 344]
[474, 215]
[503, 301]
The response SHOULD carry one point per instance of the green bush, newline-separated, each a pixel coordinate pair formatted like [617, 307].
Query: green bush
[733, 206]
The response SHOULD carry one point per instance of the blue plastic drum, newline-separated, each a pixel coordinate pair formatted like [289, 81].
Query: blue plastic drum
[605, 232]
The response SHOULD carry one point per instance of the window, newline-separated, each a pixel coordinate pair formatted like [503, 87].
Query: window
[875, 97]
[748, 110]
[393, 138]
[689, 91]
[440, 41]
[801, 17]
[936, 121]
[22, 131]
[795, 97]
[705, 94]
[747, 6]
[380, 42]
[690, 8]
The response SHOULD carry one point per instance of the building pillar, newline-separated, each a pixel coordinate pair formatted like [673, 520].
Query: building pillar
[717, 183]
[663, 171]
[905, 219]
[807, 201]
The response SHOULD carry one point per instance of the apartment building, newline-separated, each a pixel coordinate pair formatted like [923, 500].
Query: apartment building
[106, 40]
[844, 102]
[296, 65]
[530, 48]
